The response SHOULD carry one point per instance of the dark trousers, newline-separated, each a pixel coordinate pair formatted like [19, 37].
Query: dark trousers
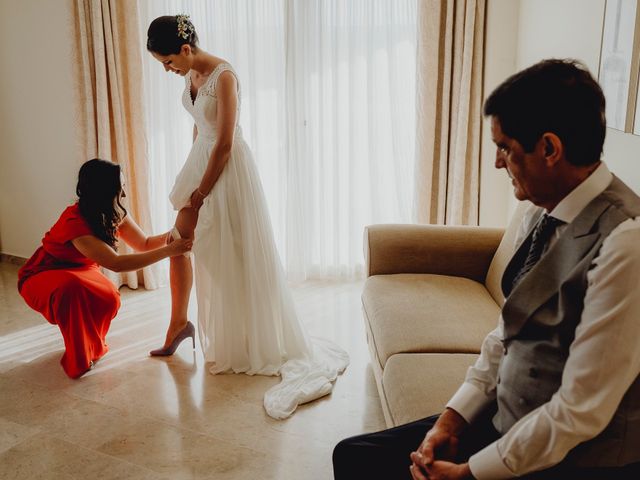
[385, 455]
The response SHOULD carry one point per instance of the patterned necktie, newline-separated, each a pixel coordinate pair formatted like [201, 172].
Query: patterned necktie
[541, 236]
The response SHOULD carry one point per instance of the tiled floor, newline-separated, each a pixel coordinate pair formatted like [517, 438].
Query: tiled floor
[136, 417]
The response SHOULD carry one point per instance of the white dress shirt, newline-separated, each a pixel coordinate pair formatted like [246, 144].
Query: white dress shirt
[603, 362]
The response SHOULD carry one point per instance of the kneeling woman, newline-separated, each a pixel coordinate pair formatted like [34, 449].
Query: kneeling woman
[62, 279]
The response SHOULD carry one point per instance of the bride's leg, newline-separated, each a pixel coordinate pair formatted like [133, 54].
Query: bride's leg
[181, 276]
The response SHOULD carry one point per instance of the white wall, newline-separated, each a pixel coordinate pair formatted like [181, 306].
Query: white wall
[560, 28]
[38, 159]
[622, 154]
[500, 62]
[557, 28]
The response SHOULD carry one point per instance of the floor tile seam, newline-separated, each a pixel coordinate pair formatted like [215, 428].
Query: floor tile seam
[228, 441]
[198, 432]
[120, 459]
[92, 451]
[25, 382]
[26, 438]
[58, 391]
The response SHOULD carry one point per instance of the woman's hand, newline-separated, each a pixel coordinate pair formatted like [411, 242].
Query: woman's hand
[197, 198]
[180, 246]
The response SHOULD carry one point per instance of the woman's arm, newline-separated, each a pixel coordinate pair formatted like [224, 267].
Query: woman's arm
[133, 235]
[227, 94]
[101, 253]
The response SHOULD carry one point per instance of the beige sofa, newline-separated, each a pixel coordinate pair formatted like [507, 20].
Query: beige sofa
[431, 296]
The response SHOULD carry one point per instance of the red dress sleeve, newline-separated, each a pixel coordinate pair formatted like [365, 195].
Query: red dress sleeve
[57, 251]
[71, 225]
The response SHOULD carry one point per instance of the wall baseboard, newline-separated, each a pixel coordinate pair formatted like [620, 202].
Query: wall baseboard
[6, 258]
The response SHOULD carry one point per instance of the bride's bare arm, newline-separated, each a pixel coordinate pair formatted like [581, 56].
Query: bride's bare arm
[226, 93]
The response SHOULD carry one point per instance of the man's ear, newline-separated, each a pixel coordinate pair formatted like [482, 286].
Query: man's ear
[552, 148]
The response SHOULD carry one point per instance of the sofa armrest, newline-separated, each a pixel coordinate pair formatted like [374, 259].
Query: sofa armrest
[460, 251]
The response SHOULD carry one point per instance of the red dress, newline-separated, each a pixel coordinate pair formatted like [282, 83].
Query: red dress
[68, 289]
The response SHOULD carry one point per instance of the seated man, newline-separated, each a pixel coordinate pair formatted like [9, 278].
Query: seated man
[555, 393]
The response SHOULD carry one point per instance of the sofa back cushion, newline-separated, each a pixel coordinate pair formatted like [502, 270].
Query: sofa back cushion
[503, 253]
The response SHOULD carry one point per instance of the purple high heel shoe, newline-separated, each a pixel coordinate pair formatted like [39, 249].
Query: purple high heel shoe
[188, 331]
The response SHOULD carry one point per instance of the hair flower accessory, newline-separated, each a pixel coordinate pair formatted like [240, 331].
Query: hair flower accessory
[185, 27]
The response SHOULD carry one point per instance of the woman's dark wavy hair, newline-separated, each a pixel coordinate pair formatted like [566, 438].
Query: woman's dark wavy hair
[558, 96]
[99, 191]
[163, 38]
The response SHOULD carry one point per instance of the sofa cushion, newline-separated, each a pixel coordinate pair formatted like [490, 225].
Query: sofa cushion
[418, 385]
[426, 313]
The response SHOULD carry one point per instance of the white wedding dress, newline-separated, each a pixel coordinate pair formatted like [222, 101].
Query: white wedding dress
[246, 318]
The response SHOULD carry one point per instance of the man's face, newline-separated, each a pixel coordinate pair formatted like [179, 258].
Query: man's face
[528, 171]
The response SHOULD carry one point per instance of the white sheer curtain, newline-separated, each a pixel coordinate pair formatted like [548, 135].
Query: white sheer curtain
[328, 107]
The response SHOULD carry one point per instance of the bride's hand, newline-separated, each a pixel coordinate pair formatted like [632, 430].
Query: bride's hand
[196, 199]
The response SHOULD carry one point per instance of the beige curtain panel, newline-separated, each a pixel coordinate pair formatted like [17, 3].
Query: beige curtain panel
[450, 54]
[110, 105]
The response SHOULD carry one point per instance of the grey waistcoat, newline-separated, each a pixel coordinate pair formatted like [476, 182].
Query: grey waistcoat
[540, 318]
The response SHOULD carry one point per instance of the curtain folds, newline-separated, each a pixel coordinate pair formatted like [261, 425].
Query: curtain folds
[328, 108]
[450, 54]
[356, 112]
[110, 106]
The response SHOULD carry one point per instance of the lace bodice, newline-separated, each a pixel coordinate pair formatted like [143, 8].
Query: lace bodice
[204, 107]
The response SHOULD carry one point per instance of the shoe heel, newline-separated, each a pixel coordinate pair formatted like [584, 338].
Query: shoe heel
[191, 333]
[186, 332]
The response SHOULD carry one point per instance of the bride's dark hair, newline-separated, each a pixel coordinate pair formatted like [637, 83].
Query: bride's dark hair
[99, 192]
[167, 34]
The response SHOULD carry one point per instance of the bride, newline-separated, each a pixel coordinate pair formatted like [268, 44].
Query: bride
[246, 318]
